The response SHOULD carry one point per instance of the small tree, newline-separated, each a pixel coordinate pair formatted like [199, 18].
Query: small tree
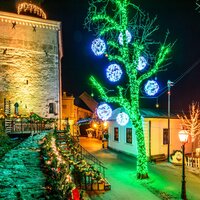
[191, 122]
[116, 21]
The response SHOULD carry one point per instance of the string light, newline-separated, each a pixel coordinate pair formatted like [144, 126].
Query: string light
[106, 26]
[98, 47]
[32, 8]
[113, 72]
[151, 87]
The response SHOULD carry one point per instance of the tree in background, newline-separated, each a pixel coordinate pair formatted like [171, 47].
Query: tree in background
[127, 31]
[191, 123]
[198, 5]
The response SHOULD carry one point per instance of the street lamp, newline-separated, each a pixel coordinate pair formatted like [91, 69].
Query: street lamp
[169, 85]
[183, 136]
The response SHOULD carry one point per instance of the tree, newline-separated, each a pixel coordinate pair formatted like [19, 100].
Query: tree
[113, 21]
[198, 5]
[191, 123]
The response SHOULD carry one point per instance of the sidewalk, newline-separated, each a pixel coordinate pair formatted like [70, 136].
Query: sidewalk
[164, 181]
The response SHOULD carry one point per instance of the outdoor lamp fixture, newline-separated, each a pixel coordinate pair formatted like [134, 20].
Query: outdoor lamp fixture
[183, 136]
[105, 124]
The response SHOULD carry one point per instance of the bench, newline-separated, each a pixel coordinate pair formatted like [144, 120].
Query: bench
[158, 158]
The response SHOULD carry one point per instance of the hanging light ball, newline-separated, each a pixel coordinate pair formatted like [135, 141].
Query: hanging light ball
[151, 87]
[122, 119]
[142, 63]
[104, 111]
[98, 47]
[113, 72]
[128, 37]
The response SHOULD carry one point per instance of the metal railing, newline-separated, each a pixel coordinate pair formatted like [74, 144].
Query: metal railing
[96, 164]
[193, 162]
[20, 126]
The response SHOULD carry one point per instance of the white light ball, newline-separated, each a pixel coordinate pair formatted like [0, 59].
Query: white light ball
[104, 111]
[128, 37]
[122, 119]
[98, 47]
[142, 63]
[151, 87]
[113, 72]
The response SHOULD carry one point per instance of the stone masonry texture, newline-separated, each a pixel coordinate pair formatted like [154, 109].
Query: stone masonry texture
[29, 64]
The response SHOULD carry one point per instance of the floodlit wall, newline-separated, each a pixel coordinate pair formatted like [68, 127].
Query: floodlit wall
[30, 64]
[157, 145]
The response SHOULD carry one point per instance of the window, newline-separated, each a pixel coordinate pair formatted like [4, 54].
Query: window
[51, 108]
[165, 136]
[129, 135]
[116, 133]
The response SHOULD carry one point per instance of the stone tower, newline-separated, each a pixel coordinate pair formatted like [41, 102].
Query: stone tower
[30, 61]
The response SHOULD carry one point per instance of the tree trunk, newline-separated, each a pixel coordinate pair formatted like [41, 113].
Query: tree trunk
[142, 169]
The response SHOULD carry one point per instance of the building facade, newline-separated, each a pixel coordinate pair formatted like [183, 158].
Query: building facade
[30, 64]
[155, 125]
[72, 113]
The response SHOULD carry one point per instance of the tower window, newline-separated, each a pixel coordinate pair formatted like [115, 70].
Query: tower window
[51, 108]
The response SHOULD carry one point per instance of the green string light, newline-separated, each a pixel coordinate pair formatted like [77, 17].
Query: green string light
[110, 25]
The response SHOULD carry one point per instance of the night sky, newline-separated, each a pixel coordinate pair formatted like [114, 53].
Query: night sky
[177, 16]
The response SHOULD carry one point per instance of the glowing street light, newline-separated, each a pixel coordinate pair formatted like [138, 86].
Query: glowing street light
[183, 136]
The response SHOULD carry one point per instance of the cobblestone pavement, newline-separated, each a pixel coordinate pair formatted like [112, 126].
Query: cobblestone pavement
[20, 173]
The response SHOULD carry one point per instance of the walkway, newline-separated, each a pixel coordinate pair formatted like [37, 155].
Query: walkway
[164, 182]
[20, 173]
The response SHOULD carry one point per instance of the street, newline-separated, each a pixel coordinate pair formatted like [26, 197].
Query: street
[164, 182]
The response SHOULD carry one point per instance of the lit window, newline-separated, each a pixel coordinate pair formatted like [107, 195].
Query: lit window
[129, 135]
[116, 133]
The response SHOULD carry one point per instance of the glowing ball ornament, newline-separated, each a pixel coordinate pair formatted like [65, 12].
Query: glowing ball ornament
[151, 87]
[128, 37]
[98, 47]
[122, 119]
[113, 72]
[104, 111]
[142, 63]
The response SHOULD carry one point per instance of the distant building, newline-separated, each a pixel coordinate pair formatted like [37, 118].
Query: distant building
[72, 113]
[30, 61]
[155, 124]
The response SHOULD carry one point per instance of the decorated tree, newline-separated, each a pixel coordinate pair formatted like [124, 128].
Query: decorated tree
[191, 123]
[133, 54]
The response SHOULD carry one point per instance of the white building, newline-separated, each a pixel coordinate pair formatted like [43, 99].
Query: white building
[155, 123]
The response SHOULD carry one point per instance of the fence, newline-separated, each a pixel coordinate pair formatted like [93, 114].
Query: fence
[26, 126]
[193, 162]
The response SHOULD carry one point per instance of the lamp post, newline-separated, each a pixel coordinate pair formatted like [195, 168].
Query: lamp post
[169, 85]
[183, 136]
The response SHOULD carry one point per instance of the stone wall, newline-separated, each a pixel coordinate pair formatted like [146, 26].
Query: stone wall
[30, 64]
